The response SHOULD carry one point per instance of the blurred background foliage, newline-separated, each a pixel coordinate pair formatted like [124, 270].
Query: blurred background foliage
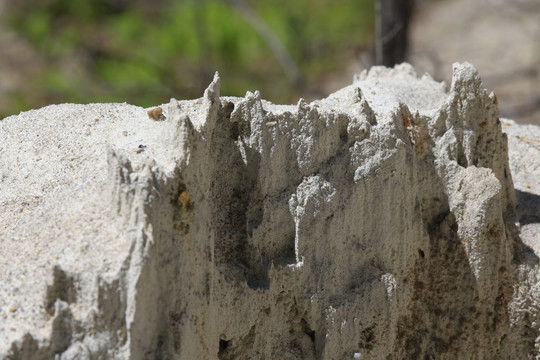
[145, 52]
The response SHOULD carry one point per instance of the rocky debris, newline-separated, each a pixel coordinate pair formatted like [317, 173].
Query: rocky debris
[524, 310]
[379, 222]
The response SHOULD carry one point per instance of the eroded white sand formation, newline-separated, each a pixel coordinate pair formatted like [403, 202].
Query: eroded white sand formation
[378, 223]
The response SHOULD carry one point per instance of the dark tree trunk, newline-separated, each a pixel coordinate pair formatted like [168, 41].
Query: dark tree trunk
[392, 27]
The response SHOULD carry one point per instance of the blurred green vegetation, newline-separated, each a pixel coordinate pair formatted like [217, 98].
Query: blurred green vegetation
[146, 52]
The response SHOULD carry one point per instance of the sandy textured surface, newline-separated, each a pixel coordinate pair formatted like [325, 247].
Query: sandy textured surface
[380, 222]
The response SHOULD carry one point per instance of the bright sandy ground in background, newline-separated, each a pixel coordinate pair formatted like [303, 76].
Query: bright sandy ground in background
[501, 38]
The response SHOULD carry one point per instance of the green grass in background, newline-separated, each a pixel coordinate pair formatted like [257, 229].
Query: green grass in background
[115, 51]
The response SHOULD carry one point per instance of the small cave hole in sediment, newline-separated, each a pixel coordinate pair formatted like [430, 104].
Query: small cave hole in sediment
[307, 330]
[223, 345]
